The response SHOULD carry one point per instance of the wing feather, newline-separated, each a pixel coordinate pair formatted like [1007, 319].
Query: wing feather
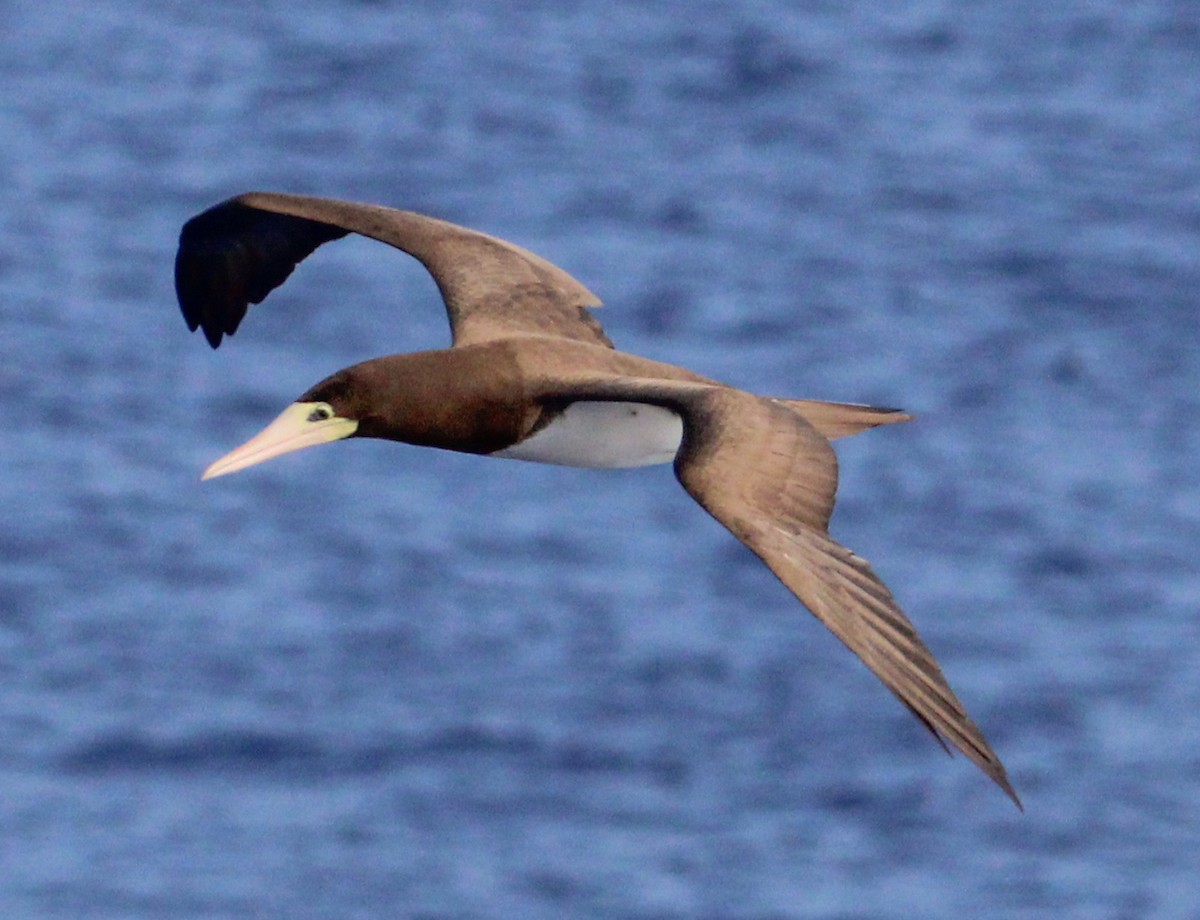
[770, 478]
[232, 256]
[237, 252]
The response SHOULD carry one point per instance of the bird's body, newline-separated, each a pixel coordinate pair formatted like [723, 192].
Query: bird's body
[532, 376]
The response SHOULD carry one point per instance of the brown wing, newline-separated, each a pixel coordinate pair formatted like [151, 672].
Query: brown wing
[770, 477]
[238, 251]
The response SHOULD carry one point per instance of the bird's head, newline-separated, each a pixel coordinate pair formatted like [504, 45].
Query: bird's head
[327, 412]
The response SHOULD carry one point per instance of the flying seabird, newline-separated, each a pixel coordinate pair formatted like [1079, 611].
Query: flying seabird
[531, 375]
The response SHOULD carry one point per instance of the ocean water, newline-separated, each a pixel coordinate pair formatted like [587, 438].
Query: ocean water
[377, 681]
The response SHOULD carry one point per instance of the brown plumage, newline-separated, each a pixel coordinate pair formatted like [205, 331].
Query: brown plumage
[532, 375]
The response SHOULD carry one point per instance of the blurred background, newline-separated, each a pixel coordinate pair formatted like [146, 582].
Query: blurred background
[377, 681]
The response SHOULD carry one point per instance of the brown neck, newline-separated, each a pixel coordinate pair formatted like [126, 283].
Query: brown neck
[467, 399]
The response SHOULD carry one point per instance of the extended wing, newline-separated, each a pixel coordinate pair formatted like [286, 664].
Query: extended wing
[769, 476]
[237, 252]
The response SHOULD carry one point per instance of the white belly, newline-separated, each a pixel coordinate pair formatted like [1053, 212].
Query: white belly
[604, 434]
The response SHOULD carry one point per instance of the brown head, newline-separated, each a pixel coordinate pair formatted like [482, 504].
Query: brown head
[459, 399]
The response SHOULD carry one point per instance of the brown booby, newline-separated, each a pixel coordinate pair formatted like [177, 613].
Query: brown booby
[531, 375]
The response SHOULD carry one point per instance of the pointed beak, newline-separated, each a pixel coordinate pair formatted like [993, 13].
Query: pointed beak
[295, 428]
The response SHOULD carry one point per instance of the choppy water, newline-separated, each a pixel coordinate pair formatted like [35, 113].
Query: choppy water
[375, 681]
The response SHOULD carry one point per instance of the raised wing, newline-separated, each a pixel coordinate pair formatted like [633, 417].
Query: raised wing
[238, 251]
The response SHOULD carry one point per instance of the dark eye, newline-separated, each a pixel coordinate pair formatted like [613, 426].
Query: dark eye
[320, 413]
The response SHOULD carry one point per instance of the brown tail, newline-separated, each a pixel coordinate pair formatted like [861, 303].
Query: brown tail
[838, 420]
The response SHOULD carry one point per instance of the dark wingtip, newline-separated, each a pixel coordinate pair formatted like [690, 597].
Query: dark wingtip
[235, 253]
[982, 755]
[1000, 778]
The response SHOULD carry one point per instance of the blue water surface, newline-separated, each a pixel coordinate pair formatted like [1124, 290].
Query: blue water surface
[377, 681]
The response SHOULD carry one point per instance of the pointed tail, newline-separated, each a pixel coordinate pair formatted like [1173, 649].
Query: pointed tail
[838, 420]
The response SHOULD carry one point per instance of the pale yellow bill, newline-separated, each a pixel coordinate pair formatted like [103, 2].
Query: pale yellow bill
[295, 428]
